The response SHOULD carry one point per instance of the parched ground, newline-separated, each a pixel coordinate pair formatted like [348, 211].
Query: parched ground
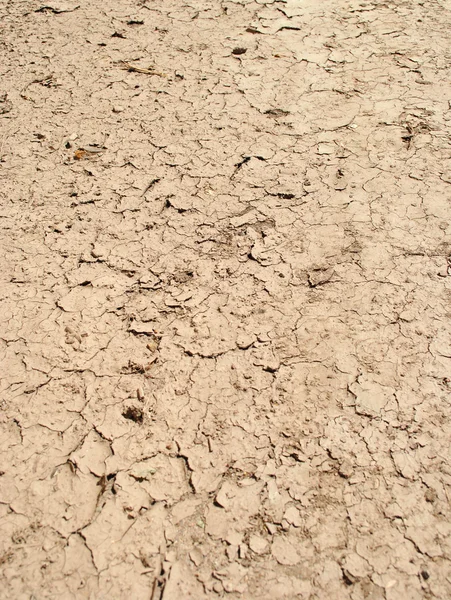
[225, 339]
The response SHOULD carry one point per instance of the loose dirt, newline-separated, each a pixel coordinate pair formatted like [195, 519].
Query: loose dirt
[225, 335]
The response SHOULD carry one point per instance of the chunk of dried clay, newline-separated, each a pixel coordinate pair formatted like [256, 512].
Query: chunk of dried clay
[405, 465]
[430, 495]
[196, 556]
[371, 398]
[258, 544]
[325, 148]
[444, 272]
[345, 469]
[355, 567]
[293, 517]
[233, 578]
[320, 276]
[284, 552]
[340, 182]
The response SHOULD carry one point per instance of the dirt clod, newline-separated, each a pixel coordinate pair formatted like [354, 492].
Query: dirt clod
[225, 299]
[133, 413]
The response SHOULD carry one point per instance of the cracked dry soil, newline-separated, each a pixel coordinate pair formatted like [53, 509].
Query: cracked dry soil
[225, 299]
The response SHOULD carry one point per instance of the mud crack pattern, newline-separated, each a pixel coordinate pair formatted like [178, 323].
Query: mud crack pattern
[225, 334]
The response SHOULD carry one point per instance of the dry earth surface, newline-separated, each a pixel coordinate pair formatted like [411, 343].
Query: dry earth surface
[225, 299]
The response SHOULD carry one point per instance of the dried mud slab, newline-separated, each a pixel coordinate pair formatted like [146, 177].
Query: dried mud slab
[225, 342]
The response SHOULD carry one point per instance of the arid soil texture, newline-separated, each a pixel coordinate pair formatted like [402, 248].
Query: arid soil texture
[225, 340]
